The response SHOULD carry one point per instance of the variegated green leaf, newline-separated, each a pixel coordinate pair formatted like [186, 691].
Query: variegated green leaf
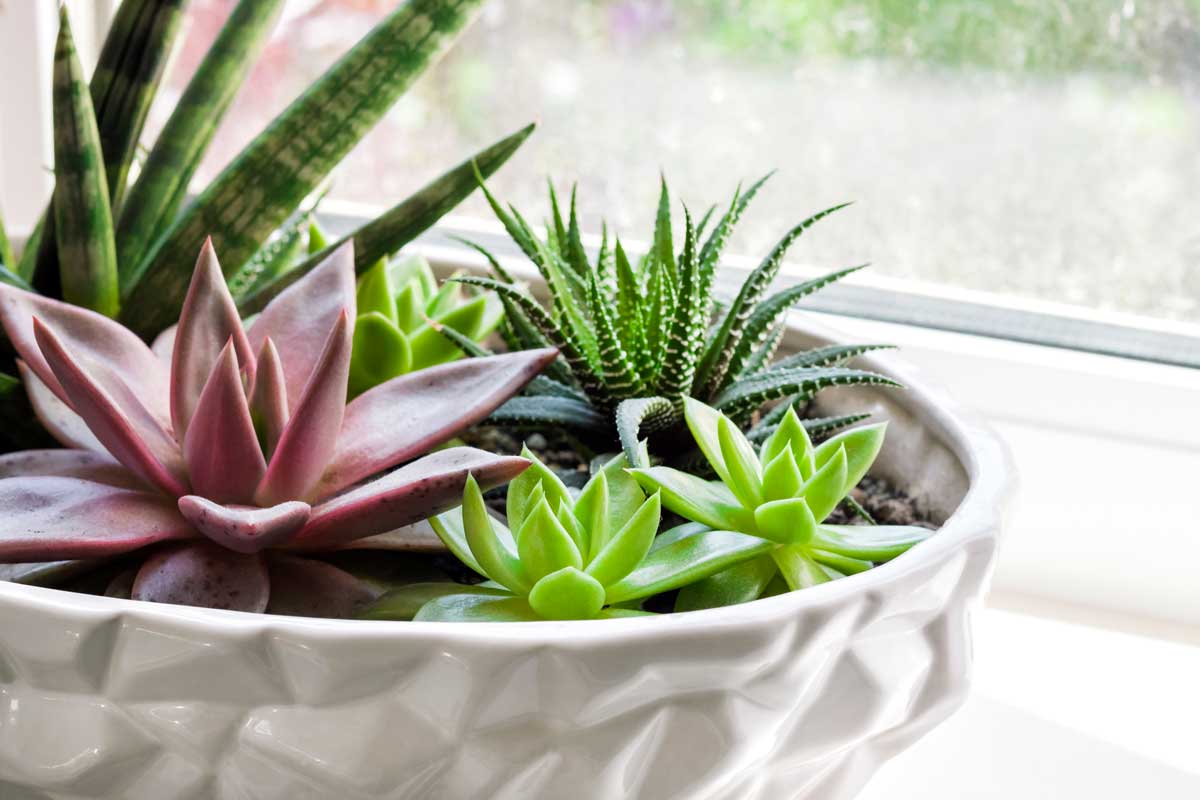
[82, 216]
[619, 373]
[266, 181]
[749, 393]
[547, 410]
[648, 414]
[686, 328]
[714, 245]
[161, 188]
[832, 356]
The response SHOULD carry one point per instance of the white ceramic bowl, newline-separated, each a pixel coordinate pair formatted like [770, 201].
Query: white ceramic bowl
[799, 696]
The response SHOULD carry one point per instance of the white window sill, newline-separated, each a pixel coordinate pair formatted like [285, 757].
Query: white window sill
[1061, 711]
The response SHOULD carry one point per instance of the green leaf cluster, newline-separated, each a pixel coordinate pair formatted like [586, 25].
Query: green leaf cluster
[780, 492]
[638, 337]
[401, 313]
[563, 556]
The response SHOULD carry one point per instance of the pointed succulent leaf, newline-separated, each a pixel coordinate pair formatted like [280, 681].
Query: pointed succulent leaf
[870, 543]
[416, 491]
[207, 575]
[835, 355]
[798, 568]
[686, 561]
[714, 245]
[544, 411]
[544, 545]
[305, 587]
[161, 187]
[268, 400]
[741, 462]
[452, 531]
[83, 464]
[791, 435]
[50, 518]
[224, 459]
[682, 531]
[83, 223]
[496, 560]
[476, 607]
[844, 565]
[751, 392]
[268, 180]
[592, 512]
[663, 250]
[56, 416]
[375, 292]
[412, 414]
[380, 352]
[828, 485]
[782, 477]
[685, 331]
[430, 348]
[785, 521]
[704, 423]
[409, 308]
[861, 444]
[629, 546]
[299, 321]
[208, 324]
[740, 583]
[567, 594]
[521, 499]
[245, 529]
[115, 415]
[696, 499]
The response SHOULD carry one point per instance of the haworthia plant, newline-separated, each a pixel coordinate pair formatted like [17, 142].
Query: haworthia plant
[159, 193]
[781, 493]
[266, 181]
[561, 556]
[639, 336]
[82, 214]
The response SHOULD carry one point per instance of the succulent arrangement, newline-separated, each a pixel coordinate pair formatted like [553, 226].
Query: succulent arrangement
[120, 233]
[639, 338]
[309, 397]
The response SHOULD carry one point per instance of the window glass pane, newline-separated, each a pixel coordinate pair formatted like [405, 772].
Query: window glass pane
[1040, 148]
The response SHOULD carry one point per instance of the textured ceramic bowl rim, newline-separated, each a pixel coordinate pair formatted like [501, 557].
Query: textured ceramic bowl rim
[981, 455]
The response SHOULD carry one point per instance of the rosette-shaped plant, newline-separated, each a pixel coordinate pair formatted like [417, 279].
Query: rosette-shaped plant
[781, 493]
[400, 312]
[562, 557]
[232, 450]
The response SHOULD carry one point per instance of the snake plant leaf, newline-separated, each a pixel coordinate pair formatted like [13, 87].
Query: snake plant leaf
[7, 259]
[721, 350]
[740, 583]
[82, 216]
[13, 279]
[267, 181]
[707, 502]
[703, 554]
[638, 414]
[542, 410]
[128, 70]
[274, 260]
[155, 198]
[869, 543]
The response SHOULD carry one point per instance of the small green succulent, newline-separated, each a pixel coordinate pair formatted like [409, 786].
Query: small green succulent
[639, 336]
[401, 310]
[585, 557]
[781, 493]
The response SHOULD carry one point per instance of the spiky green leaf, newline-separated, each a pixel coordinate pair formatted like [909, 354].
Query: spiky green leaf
[749, 393]
[648, 414]
[547, 410]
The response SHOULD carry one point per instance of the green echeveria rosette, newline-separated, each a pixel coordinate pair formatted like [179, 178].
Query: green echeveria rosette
[564, 556]
[401, 310]
[781, 493]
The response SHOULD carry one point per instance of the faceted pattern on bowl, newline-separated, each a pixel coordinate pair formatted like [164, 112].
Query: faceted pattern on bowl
[794, 701]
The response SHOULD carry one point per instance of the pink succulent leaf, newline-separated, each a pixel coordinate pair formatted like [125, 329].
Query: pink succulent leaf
[409, 415]
[56, 416]
[418, 537]
[121, 423]
[163, 345]
[414, 492]
[83, 464]
[91, 337]
[50, 518]
[302, 587]
[300, 318]
[223, 456]
[245, 529]
[204, 574]
[308, 442]
[208, 321]
[268, 400]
